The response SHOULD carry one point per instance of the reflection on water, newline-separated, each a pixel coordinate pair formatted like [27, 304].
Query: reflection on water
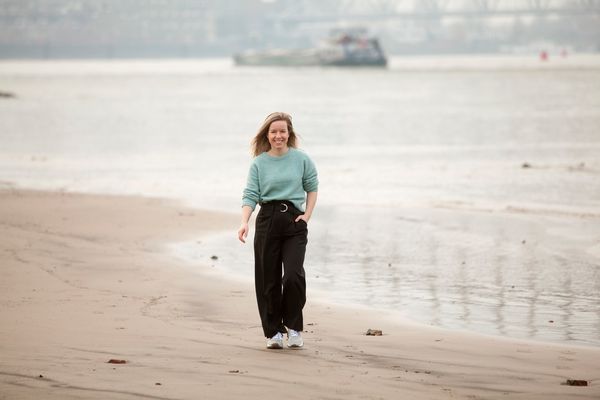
[507, 274]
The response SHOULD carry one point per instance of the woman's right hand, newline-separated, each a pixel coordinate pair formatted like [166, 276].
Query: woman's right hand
[243, 232]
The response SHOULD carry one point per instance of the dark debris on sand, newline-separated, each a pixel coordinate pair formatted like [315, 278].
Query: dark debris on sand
[575, 382]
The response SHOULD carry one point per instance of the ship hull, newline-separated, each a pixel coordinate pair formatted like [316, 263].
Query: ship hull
[293, 59]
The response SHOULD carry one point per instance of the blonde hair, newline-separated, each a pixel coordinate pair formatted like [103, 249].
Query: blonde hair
[260, 143]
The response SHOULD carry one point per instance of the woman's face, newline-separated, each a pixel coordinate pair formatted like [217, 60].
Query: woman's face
[278, 135]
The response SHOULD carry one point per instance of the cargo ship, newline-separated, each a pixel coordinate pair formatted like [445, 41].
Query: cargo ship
[343, 48]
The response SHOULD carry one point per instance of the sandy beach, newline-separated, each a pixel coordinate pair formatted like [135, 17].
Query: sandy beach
[86, 279]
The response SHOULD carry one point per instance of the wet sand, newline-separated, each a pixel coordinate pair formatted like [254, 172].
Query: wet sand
[86, 279]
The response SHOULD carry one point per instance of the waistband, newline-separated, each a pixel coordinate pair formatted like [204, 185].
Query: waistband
[282, 205]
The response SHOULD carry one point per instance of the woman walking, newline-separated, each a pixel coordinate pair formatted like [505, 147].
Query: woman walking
[281, 179]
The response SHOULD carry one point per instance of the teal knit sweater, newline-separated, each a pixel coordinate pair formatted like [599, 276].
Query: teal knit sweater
[287, 177]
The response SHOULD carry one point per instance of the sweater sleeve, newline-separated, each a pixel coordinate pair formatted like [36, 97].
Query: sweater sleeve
[252, 191]
[310, 179]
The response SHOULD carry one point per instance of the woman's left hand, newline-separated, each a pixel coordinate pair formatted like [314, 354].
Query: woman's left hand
[302, 217]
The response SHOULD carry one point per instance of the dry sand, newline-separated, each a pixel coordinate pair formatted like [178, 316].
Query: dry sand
[86, 279]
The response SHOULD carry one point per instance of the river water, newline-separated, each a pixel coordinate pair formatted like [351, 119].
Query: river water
[462, 192]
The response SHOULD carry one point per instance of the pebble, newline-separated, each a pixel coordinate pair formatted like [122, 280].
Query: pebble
[576, 382]
[116, 361]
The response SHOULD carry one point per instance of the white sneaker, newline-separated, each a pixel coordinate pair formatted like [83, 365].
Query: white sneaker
[294, 339]
[276, 342]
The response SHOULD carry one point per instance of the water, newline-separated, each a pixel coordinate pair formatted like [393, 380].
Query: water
[424, 205]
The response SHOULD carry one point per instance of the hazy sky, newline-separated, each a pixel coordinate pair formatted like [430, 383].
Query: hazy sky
[193, 27]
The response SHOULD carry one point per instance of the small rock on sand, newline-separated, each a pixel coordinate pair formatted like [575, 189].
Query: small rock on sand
[374, 332]
[575, 382]
[116, 361]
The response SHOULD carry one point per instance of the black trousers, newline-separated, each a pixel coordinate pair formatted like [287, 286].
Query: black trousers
[279, 246]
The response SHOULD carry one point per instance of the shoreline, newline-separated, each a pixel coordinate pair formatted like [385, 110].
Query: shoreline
[86, 279]
[318, 295]
[502, 304]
